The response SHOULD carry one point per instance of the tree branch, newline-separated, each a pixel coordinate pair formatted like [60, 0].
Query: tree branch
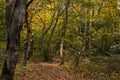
[29, 2]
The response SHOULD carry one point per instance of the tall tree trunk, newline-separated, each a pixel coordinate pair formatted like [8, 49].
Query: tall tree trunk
[14, 19]
[53, 29]
[87, 27]
[28, 42]
[64, 31]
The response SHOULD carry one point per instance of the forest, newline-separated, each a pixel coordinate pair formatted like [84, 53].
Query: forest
[59, 39]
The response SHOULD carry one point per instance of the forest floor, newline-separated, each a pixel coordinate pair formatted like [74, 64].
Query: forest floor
[45, 71]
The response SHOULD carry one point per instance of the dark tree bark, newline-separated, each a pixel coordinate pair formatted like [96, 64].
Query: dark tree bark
[14, 19]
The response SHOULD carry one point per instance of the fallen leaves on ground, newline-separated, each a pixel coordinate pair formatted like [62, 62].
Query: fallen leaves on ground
[46, 71]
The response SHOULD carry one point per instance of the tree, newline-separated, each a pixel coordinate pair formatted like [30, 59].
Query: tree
[64, 31]
[28, 42]
[14, 19]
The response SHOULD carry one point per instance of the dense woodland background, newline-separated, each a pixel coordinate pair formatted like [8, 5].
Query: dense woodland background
[81, 35]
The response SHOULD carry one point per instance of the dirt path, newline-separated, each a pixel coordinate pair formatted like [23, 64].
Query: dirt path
[47, 71]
